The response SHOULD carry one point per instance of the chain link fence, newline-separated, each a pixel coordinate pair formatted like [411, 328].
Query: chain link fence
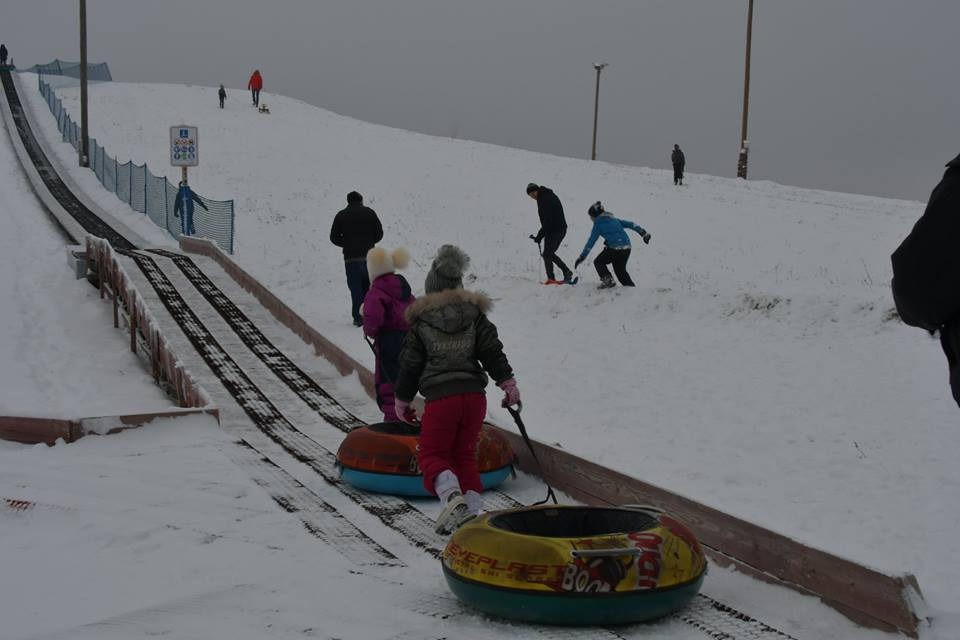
[152, 195]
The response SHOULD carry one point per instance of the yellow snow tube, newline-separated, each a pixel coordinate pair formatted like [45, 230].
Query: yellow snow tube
[575, 565]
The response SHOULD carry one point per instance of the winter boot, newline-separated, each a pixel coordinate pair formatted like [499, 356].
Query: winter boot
[570, 278]
[455, 511]
[607, 283]
[454, 514]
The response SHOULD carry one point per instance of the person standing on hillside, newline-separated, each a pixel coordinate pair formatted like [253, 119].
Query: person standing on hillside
[183, 208]
[926, 271]
[255, 85]
[678, 160]
[356, 230]
[616, 250]
[450, 349]
[222, 93]
[384, 321]
[3, 54]
[553, 228]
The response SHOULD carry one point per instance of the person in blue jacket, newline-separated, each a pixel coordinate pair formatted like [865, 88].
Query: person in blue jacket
[616, 250]
[183, 208]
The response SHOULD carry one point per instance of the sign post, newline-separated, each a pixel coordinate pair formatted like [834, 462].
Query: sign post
[184, 148]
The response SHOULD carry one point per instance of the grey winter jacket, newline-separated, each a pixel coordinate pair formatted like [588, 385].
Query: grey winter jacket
[450, 344]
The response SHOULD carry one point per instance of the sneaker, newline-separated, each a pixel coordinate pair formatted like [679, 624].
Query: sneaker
[552, 281]
[454, 513]
[607, 283]
[571, 279]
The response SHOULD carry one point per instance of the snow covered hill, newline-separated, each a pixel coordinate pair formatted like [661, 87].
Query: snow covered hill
[757, 367]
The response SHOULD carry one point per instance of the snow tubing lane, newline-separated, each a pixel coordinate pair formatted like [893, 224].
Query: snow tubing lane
[87, 219]
[572, 565]
[382, 458]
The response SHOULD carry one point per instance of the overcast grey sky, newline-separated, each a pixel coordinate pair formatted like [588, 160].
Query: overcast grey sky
[848, 95]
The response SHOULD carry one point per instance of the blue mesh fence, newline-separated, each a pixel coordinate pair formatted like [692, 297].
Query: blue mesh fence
[152, 195]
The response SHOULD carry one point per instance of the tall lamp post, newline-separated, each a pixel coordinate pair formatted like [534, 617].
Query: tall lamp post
[744, 142]
[596, 108]
[84, 137]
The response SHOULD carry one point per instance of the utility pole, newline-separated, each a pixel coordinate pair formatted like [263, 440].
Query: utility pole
[84, 137]
[596, 108]
[744, 141]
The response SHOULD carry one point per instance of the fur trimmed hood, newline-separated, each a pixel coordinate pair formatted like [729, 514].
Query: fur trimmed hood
[439, 307]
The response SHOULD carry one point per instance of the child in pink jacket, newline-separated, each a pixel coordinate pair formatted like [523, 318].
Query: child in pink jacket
[383, 320]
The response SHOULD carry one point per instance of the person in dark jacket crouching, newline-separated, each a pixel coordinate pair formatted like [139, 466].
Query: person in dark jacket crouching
[450, 346]
[356, 229]
[926, 271]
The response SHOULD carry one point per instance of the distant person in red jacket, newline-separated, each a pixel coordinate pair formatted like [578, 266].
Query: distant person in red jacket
[255, 84]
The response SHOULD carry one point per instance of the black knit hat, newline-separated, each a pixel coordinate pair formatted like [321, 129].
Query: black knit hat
[353, 196]
[532, 187]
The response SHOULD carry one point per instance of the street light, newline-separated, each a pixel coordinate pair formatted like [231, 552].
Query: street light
[596, 107]
[84, 137]
[744, 143]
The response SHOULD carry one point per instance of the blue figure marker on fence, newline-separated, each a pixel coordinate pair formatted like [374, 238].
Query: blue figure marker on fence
[183, 208]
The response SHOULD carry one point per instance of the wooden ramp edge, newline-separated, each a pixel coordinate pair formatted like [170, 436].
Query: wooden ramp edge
[34, 430]
[866, 596]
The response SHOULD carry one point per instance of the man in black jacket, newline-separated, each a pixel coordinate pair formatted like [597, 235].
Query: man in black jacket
[356, 229]
[926, 271]
[553, 228]
[678, 160]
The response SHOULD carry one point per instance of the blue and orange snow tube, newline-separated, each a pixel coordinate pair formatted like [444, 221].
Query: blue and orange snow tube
[573, 565]
[382, 458]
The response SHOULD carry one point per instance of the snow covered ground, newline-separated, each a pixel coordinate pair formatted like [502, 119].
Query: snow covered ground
[60, 355]
[757, 367]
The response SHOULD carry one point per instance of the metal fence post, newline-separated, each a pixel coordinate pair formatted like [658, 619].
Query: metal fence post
[166, 207]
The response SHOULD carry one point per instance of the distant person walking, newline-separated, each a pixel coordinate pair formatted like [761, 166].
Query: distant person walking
[553, 228]
[183, 208]
[255, 85]
[678, 160]
[616, 250]
[926, 271]
[223, 95]
[356, 229]
[3, 54]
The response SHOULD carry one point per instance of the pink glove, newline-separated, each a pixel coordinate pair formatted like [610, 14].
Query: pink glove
[404, 411]
[511, 395]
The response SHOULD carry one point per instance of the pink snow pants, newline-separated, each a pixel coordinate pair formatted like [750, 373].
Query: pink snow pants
[449, 431]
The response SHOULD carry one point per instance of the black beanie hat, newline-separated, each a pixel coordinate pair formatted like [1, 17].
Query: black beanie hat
[353, 196]
[532, 187]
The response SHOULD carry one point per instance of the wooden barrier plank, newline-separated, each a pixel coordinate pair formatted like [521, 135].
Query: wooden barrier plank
[105, 425]
[866, 596]
[31, 430]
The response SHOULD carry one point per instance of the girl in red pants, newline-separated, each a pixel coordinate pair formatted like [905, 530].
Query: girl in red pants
[450, 346]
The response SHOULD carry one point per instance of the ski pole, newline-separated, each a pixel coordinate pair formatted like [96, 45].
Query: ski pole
[540, 251]
[515, 414]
